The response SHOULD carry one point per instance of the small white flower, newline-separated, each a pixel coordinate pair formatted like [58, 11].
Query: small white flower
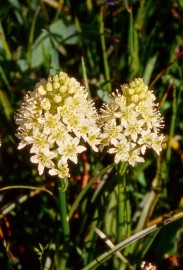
[127, 114]
[120, 99]
[39, 142]
[72, 120]
[108, 112]
[93, 139]
[120, 149]
[58, 135]
[134, 157]
[157, 143]
[69, 148]
[112, 131]
[44, 159]
[50, 123]
[146, 139]
[134, 128]
[62, 171]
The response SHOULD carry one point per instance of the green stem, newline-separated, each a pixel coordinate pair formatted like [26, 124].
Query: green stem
[121, 205]
[63, 255]
[63, 214]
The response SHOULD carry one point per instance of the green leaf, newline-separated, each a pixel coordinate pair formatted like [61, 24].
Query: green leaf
[149, 68]
[56, 35]
[6, 104]
[65, 33]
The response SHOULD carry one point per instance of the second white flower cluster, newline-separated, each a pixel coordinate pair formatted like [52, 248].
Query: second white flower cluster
[131, 123]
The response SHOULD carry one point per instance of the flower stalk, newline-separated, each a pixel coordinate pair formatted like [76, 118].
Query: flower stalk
[63, 254]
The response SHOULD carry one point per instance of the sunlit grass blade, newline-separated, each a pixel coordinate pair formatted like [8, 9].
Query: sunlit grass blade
[104, 49]
[5, 43]
[107, 255]
[111, 245]
[149, 69]
[85, 77]
[31, 35]
[8, 110]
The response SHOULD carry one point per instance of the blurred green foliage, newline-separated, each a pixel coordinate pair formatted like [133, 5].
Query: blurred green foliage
[118, 41]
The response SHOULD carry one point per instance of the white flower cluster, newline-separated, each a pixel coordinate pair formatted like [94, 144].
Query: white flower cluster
[55, 119]
[131, 123]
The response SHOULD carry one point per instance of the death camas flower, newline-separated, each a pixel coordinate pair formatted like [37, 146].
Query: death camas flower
[131, 123]
[55, 119]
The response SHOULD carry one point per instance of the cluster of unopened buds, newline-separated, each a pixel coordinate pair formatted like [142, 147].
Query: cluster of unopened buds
[57, 120]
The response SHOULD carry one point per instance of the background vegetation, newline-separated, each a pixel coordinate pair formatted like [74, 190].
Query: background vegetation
[103, 44]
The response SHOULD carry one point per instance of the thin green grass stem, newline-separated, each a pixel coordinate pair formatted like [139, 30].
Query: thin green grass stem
[89, 5]
[27, 187]
[6, 104]
[172, 126]
[85, 77]
[6, 209]
[5, 44]
[148, 243]
[83, 192]
[31, 36]
[59, 9]
[104, 51]
[133, 46]
[92, 237]
[165, 69]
